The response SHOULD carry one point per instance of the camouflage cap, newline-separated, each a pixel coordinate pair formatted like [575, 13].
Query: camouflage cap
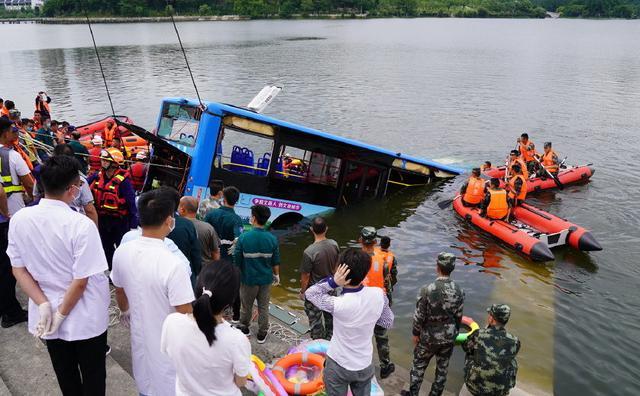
[500, 312]
[368, 234]
[446, 261]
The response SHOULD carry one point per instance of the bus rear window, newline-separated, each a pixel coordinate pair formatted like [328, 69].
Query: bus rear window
[179, 124]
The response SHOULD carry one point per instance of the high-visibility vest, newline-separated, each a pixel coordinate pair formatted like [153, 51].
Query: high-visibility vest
[94, 158]
[5, 172]
[523, 166]
[138, 174]
[106, 193]
[527, 151]
[381, 264]
[549, 162]
[512, 188]
[475, 191]
[498, 206]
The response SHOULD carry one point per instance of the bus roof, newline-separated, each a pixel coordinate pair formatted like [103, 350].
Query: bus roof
[219, 108]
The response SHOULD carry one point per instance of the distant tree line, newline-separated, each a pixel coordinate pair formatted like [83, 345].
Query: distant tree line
[298, 8]
[346, 8]
[629, 9]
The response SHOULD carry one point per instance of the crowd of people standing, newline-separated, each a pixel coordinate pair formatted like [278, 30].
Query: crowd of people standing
[179, 265]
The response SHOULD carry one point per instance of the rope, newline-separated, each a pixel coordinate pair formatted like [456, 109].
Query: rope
[104, 79]
[405, 184]
[186, 60]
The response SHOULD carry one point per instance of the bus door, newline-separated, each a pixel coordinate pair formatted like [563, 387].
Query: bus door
[361, 182]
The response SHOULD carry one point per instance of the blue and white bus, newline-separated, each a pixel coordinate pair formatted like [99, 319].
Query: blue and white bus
[296, 171]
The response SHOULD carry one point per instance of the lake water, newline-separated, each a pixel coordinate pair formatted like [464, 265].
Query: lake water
[455, 90]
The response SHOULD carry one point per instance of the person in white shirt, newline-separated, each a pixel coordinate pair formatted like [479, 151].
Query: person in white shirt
[211, 356]
[356, 312]
[151, 283]
[58, 261]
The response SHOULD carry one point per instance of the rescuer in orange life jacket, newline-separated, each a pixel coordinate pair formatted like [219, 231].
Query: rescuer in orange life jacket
[496, 202]
[486, 166]
[377, 276]
[139, 171]
[114, 200]
[550, 161]
[110, 131]
[473, 190]
[517, 186]
[528, 152]
[515, 158]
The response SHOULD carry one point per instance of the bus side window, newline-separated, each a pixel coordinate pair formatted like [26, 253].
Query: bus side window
[244, 152]
[308, 166]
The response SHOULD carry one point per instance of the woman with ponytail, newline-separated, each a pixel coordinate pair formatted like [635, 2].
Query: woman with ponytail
[210, 356]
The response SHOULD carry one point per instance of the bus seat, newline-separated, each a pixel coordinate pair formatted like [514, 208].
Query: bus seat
[263, 163]
[236, 158]
[247, 160]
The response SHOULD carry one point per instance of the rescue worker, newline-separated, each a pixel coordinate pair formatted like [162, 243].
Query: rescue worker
[6, 109]
[496, 202]
[550, 161]
[27, 137]
[114, 200]
[436, 323]
[37, 120]
[490, 366]
[14, 116]
[486, 166]
[528, 151]
[292, 166]
[472, 190]
[376, 277]
[139, 171]
[389, 260]
[110, 131]
[514, 158]
[43, 104]
[94, 155]
[517, 186]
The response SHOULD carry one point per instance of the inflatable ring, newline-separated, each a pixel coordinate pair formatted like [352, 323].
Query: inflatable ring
[471, 324]
[298, 359]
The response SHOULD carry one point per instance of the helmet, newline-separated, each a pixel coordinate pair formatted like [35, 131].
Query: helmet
[97, 140]
[141, 155]
[112, 154]
[368, 234]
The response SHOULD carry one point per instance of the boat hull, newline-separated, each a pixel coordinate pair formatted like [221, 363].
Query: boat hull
[571, 175]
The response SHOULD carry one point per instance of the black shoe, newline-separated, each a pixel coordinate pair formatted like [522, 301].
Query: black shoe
[387, 370]
[245, 330]
[405, 393]
[262, 338]
[12, 320]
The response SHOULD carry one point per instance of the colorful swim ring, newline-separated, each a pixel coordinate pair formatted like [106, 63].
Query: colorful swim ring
[319, 347]
[471, 324]
[299, 359]
[264, 380]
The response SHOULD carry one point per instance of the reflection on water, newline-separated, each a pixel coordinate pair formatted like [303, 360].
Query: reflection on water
[458, 90]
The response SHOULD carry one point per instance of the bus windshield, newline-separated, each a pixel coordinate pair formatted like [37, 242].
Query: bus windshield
[179, 123]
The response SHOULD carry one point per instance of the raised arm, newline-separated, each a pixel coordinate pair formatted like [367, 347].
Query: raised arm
[319, 296]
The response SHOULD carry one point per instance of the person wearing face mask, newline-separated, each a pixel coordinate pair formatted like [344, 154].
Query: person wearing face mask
[151, 283]
[114, 200]
[59, 263]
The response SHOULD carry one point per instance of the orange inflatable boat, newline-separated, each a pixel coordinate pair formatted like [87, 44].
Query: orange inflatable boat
[570, 175]
[533, 232]
[98, 127]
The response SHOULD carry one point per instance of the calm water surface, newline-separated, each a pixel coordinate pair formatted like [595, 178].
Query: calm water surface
[459, 91]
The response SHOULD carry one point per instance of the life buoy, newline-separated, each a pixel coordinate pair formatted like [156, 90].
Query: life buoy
[300, 358]
[471, 324]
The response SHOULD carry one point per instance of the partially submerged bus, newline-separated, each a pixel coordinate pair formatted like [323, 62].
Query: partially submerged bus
[296, 171]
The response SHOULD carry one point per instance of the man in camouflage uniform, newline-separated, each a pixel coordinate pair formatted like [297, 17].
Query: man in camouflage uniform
[435, 326]
[490, 366]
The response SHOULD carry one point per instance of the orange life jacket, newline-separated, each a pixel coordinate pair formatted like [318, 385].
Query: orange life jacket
[549, 163]
[475, 191]
[527, 152]
[512, 188]
[138, 174]
[381, 263]
[498, 206]
[4, 111]
[523, 166]
[109, 134]
[106, 193]
[43, 107]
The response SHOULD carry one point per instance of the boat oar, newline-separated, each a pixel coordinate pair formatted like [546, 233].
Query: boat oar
[555, 178]
[444, 204]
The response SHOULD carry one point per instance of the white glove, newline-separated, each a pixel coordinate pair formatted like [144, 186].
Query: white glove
[276, 280]
[125, 318]
[58, 318]
[45, 319]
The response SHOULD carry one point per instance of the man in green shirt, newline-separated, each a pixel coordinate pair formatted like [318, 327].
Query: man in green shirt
[258, 257]
[81, 152]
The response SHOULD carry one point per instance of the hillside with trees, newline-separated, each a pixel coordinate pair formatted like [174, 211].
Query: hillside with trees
[629, 9]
